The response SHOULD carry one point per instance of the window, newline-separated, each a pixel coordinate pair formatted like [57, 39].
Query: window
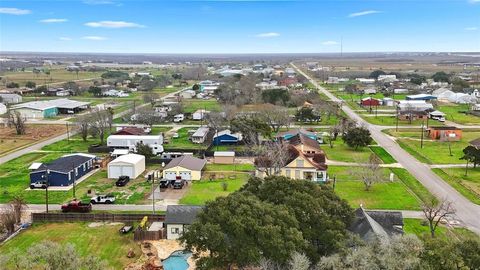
[299, 162]
[175, 230]
[84, 166]
[288, 173]
[76, 171]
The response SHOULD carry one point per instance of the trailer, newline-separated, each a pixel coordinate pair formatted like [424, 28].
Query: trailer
[130, 141]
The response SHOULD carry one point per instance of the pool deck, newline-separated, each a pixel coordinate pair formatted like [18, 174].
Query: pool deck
[166, 247]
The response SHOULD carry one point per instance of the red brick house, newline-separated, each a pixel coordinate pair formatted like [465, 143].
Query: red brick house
[130, 131]
[369, 101]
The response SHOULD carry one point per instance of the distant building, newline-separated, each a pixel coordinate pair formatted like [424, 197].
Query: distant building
[50, 108]
[199, 114]
[184, 167]
[3, 109]
[226, 137]
[369, 101]
[420, 97]
[8, 98]
[130, 131]
[200, 135]
[444, 133]
[178, 218]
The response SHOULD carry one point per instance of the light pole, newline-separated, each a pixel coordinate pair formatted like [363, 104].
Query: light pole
[396, 129]
[47, 171]
[73, 176]
[153, 192]
[421, 140]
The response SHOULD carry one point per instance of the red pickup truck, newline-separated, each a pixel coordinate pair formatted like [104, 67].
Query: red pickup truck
[77, 206]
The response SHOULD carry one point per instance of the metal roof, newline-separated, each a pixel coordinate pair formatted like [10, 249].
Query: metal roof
[187, 162]
[62, 103]
[181, 214]
[65, 164]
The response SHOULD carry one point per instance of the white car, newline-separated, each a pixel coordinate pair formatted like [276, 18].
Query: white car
[106, 199]
[40, 184]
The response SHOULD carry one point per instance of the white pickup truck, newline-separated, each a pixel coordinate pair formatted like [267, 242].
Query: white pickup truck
[106, 199]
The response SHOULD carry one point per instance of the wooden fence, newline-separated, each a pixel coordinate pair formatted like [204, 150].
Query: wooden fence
[76, 217]
[140, 235]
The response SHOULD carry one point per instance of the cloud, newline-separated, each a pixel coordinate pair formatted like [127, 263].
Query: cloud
[94, 38]
[471, 28]
[363, 13]
[65, 38]
[114, 24]
[53, 20]
[14, 11]
[267, 35]
[329, 43]
[474, 1]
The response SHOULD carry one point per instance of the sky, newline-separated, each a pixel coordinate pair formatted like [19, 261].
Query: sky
[240, 26]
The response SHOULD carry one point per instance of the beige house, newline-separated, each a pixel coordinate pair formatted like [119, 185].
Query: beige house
[178, 218]
[184, 167]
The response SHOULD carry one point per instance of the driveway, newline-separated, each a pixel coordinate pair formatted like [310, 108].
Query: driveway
[466, 211]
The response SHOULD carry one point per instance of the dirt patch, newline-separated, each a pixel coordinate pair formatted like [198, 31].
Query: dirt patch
[99, 224]
[33, 132]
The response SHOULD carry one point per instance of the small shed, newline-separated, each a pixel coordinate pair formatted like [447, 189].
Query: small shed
[224, 157]
[444, 133]
[388, 102]
[131, 165]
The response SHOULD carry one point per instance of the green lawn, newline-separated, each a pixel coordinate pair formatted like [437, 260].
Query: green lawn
[342, 152]
[183, 141]
[392, 121]
[383, 154]
[104, 241]
[206, 190]
[435, 152]
[191, 105]
[455, 113]
[230, 167]
[384, 195]
[74, 144]
[421, 229]
[14, 179]
[159, 130]
[468, 186]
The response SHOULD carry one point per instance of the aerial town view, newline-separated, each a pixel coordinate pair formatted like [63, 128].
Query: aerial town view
[239, 135]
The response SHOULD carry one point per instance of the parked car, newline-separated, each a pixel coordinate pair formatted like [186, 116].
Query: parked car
[164, 184]
[122, 181]
[107, 199]
[40, 184]
[178, 184]
[77, 206]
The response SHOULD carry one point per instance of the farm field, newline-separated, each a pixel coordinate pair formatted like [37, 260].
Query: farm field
[433, 152]
[9, 141]
[102, 241]
[468, 185]
[406, 189]
[56, 75]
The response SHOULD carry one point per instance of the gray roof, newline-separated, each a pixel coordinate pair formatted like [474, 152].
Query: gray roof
[201, 132]
[65, 164]
[181, 214]
[377, 224]
[62, 103]
[187, 162]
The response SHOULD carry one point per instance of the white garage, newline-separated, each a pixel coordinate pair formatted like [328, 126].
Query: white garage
[131, 165]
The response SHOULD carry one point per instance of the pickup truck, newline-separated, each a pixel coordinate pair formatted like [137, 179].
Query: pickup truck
[77, 206]
[107, 199]
[41, 184]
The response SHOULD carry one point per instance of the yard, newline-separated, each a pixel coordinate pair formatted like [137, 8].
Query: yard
[14, 180]
[183, 141]
[191, 105]
[433, 152]
[102, 241]
[74, 144]
[404, 193]
[206, 190]
[455, 114]
[9, 141]
[342, 152]
[468, 186]
[421, 229]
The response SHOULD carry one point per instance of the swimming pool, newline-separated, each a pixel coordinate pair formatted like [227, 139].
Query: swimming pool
[177, 260]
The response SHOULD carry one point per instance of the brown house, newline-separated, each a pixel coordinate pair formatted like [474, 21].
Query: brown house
[444, 133]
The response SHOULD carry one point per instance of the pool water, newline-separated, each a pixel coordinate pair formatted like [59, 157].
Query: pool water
[177, 260]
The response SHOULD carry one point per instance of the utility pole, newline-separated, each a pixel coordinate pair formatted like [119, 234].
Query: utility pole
[396, 129]
[73, 176]
[153, 192]
[68, 134]
[421, 140]
[46, 189]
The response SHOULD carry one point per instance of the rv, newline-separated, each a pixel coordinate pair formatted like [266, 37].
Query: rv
[130, 141]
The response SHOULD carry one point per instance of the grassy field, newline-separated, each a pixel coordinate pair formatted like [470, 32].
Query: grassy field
[342, 152]
[455, 114]
[159, 130]
[384, 195]
[382, 154]
[468, 186]
[434, 152]
[56, 75]
[183, 141]
[104, 241]
[230, 167]
[74, 144]
[10, 142]
[421, 229]
[207, 190]
[191, 105]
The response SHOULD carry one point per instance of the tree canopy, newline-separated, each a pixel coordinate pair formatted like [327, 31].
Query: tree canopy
[357, 137]
[376, 73]
[441, 77]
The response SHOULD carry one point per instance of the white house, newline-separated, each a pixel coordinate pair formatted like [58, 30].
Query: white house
[187, 94]
[365, 80]
[400, 91]
[3, 108]
[199, 114]
[115, 93]
[10, 98]
[369, 91]
[178, 218]
[387, 78]
[200, 135]
[388, 101]
[131, 165]
[130, 141]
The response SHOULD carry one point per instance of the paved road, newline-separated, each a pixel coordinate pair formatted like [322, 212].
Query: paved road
[467, 212]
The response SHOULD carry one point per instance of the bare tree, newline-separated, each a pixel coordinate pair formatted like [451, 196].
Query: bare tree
[275, 116]
[16, 120]
[148, 117]
[370, 173]
[215, 121]
[8, 220]
[151, 98]
[436, 211]
[18, 205]
[83, 124]
[101, 121]
[271, 157]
